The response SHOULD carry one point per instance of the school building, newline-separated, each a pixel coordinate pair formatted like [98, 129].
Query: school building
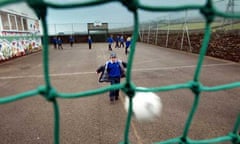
[20, 31]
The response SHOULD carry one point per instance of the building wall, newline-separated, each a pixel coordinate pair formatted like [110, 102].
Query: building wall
[19, 19]
[20, 31]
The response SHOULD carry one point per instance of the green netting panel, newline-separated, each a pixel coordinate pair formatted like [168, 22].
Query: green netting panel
[208, 11]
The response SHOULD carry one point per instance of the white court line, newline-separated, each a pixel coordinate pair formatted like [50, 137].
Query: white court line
[84, 73]
[180, 67]
[41, 76]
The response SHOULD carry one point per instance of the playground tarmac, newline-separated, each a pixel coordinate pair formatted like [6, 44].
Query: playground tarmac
[92, 119]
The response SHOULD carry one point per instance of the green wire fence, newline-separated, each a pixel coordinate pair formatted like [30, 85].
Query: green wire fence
[207, 10]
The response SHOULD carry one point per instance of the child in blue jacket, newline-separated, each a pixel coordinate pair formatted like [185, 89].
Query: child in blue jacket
[90, 42]
[112, 72]
[110, 42]
[128, 43]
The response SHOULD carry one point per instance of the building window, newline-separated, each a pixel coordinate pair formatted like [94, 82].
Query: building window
[19, 23]
[13, 22]
[25, 27]
[5, 22]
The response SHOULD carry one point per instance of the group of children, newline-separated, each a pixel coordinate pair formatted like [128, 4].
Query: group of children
[57, 43]
[114, 69]
[119, 43]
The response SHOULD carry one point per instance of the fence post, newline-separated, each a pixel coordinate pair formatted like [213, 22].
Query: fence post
[148, 33]
[156, 36]
[167, 31]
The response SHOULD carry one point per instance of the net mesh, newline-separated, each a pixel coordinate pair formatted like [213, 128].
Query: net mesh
[47, 90]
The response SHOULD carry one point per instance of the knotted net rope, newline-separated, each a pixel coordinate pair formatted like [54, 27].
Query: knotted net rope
[208, 11]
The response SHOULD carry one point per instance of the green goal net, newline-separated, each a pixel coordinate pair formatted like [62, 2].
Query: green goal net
[47, 90]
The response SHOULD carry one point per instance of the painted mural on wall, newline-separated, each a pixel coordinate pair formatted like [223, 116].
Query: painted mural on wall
[11, 47]
[20, 31]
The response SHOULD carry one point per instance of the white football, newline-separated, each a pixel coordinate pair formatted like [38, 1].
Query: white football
[147, 106]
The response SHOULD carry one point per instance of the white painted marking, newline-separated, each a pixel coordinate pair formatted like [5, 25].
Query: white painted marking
[180, 67]
[86, 73]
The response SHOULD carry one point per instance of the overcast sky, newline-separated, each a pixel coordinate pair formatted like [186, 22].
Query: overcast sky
[113, 12]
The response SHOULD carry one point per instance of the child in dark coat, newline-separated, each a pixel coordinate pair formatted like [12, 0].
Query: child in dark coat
[112, 72]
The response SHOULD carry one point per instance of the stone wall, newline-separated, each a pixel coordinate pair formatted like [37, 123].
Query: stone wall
[223, 45]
